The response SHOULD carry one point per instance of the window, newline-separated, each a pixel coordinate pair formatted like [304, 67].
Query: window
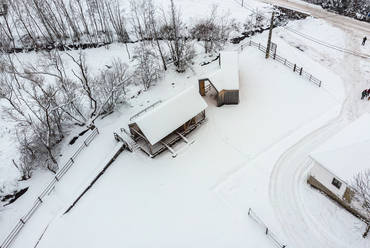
[336, 183]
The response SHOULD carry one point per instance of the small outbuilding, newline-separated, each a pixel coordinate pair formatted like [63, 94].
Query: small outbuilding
[225, 80]
[162, 124]
[339, 159]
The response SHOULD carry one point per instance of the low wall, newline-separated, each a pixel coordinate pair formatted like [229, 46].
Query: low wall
[317, 185]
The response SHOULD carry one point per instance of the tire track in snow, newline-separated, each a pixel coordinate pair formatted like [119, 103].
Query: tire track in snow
[290, 209]
[294, 164]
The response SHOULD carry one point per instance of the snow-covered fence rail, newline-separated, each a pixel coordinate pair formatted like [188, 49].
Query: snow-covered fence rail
[282, 60]
[267, 231]
[13, 233]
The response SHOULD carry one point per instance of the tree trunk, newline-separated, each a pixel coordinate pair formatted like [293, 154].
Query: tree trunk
[367, 231]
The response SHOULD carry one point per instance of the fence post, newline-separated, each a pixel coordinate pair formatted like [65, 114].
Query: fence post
[300, 72]
[85, 143]
[259, 46]
[72, 160]
[284, 61]
[249, 211]
[267, 230]
[295, 65]
[310, 77]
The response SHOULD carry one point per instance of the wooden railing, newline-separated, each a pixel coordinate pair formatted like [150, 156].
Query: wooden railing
[285, 62]
[13, 233]
[144, 110]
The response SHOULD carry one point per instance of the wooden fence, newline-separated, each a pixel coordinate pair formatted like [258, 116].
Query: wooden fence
[10, 238]
[267, 231]
[294, 67]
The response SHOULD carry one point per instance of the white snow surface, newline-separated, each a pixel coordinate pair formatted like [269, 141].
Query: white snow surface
[166, 117]
[227, 77]
[347, 153]
[252, 155]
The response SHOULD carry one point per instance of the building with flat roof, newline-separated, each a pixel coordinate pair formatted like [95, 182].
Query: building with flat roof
[225, 80]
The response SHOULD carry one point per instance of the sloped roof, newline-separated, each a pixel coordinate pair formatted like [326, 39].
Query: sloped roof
[171, 114]
[227, 77]
[348, 152]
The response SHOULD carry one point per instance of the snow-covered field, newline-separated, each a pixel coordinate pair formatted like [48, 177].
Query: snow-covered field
[252, 155]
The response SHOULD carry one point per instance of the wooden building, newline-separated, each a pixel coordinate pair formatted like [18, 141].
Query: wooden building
[339, 159]
[158, 127]
[225, 80]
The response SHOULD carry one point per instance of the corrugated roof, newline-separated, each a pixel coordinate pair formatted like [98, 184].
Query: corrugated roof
[171, 114]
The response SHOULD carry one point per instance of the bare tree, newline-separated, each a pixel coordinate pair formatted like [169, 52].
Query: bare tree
[84, 77]
[173, 31]
[32, 104]
[147, 68]
[146, 24]
[361, 185]
[111, 84]
[213, 30]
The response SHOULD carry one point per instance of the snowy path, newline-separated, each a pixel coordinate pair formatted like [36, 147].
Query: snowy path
[291, 170]
[66, 191]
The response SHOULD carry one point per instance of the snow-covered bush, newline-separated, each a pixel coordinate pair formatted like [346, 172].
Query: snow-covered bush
[110, 85]
[147, 69]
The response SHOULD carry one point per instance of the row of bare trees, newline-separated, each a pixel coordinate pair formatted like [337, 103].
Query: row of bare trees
[37, 24]
[164, 30]
[40, 23]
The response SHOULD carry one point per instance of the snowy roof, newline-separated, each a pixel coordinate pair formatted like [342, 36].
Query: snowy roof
[227, 77]
[171, 114]
[348, 152]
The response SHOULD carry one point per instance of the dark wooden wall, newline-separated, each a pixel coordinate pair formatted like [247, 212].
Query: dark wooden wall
[227, 97]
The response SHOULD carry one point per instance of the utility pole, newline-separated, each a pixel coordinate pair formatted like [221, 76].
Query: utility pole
[270, 34]
[242, 3]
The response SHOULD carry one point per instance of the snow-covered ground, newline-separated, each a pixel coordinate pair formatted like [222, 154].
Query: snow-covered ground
[252, 155]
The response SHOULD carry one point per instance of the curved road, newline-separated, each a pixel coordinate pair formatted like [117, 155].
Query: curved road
[292, 210]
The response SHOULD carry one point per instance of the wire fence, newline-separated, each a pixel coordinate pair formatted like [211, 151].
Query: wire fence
[294, 67]
[267, 230]
[13, 233]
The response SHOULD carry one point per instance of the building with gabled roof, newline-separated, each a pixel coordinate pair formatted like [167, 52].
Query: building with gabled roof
[162, 125]
[339, 159]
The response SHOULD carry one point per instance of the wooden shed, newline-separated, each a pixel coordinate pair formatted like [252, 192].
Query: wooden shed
[225, 80]
[158, 127]
[339, 159]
